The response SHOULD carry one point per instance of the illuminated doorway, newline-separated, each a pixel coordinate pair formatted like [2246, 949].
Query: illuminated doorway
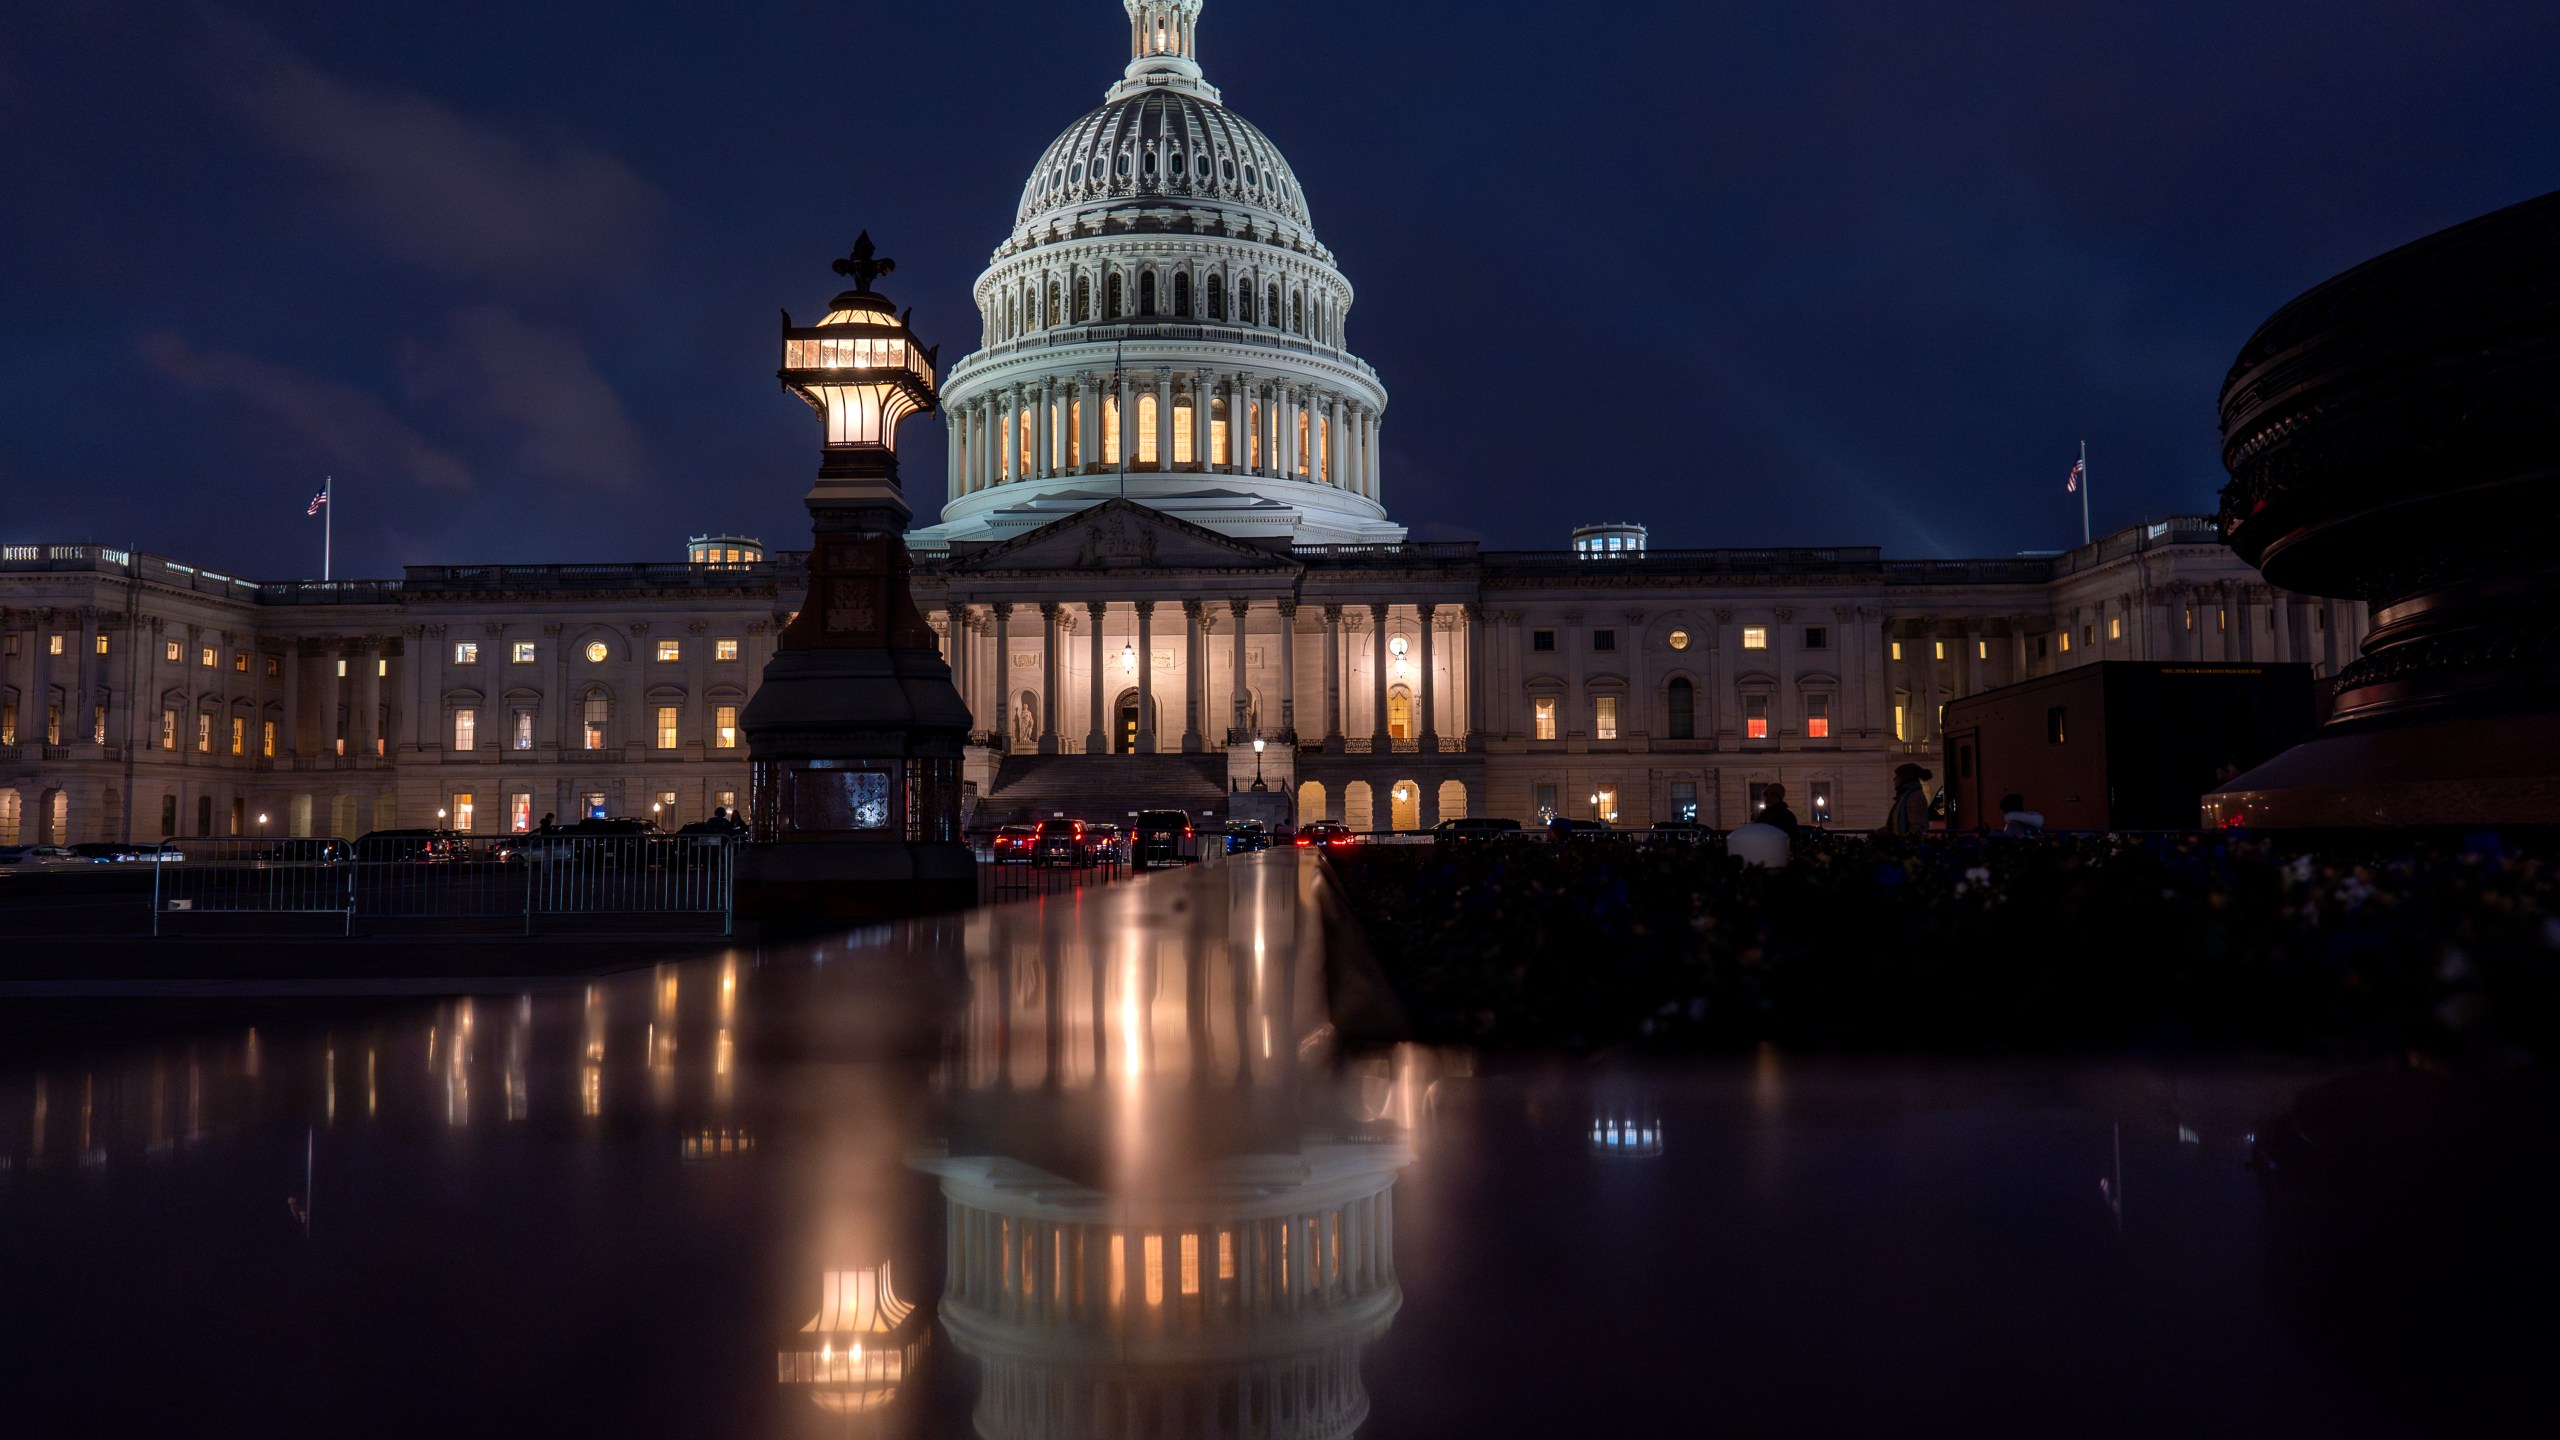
[1124, 729]
[1399, 713]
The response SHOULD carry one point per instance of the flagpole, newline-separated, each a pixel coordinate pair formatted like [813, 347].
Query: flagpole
[2084, 492]
[329, 522]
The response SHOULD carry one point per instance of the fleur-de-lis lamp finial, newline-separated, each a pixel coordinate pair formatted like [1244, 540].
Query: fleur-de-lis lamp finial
[865, 264]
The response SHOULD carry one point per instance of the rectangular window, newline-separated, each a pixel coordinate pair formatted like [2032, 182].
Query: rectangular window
[204, 732]
[462, 811]
[2043, 647]
[2115, 627]
[168, 729]
[591, 805]
[1604, 718]
[1604, 802]
[724, 728]
[9, 724]
[342, 669]
[466, 653]
[664, 812]
[1755, 717]
[726, 800]
[2191, 617]
[1253, 435]
[53, 724]
[1155, 1269]
[53, 645]
[2057, 721]
[1901, 727]
[239, 735]
[1759, 797]
[1897, 649]
[1542, 640]
[1217, 432]
[1111, 429]
[596, 711]
[2221, 619]
[1146, 444]
[666, 727]
[1817, 717]
[1546, 719]
[466, 729]
[1546, 801]
[1604, 639]
[724, 649]
[2066, 642]
[1821, 794]
[1755, 637]
[1302, 442]
[9, 646]
[1939, 649]
[1074, 438]
[670, 651]
[1981, 649]
[524, 652]
[1684, 800]
[168, 816]
[275, 666]
[206, 658]
[170, 651]
[1817, 637]
[520, 812]
[239, 662]
[267, 739]
[524, 729]
[382, 669]
[1182, 433]
[102, 644]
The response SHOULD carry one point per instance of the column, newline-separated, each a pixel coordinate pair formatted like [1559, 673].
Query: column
[1239, 422]
[1238, 691]
[1370, 421]
[1379, 741]
[333, 693]
[1430, 731]
[1333, 679]
[1475, 730]
[1204, 390]
[1191, 677]
[1289, 671]
[1146, 677]
[1095, 742]
[1042, 458]
[988, 459]
[289, 742]
[1089, 420]
[1926, 731]
[955, 653]
[1164, 419]
[1118, 459]
[364, 720]
[1004, 677]
[1048, 678]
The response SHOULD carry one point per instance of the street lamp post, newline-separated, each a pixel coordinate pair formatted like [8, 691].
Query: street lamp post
[1258, 743]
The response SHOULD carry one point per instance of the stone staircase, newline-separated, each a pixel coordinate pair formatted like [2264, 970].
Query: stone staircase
[1102, 787]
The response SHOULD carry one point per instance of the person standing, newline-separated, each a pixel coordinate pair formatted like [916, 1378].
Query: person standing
[1775, 812]
[1909, 816]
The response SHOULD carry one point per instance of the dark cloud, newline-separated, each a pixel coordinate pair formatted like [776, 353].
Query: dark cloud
[320, 424]
[532, 391]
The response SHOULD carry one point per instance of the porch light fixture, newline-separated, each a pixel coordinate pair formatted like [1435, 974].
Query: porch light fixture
[1128, 659]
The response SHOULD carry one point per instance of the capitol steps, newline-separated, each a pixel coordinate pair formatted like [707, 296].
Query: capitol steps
[1102, 787]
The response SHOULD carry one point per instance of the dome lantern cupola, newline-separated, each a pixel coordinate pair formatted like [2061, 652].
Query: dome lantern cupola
[1164, 49]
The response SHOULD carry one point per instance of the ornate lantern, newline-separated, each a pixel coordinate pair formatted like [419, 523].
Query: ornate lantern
[855, 735]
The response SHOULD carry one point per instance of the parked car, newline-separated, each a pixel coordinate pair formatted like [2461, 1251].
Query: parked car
[1326, 835]
[1473, 827]
[1676, 832]
[39, 855]
[1246, 836]
[1013, 844]
[104, 852]
[1104, 845]
[1562, 829]
[407, 847]
[598, 842]
[1164, 838]
[1061, 842]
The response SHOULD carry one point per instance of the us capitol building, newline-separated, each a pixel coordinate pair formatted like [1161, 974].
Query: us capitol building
[1164, 538]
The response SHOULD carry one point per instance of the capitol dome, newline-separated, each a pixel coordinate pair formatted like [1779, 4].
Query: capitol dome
[1163, 326]
[1161, 145]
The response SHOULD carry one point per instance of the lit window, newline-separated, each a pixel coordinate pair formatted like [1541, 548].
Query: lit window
[726, 800]
[204, 733]
[1897, 649]
[102, 644]
[595, 652]
[524, 652]
[1111, 429]
[466, 653]
[520, 812]
[1604, 719]
[2066, 642]
[670, 651]
[1679, 639]
[1817, 717]
[466, 729]
[53, 645]
[596, 712]
[239, 662]
[1146, 429]
[1982, 649]
[275, 667]
[267, 739]
[168, 729]
[724, 728]
[1684, 800]
[462, 809]
[1755, 717]
[1226, 1254]
[1821, 802]
[239, 735]
[342, 669]
[206, 658]
[665, 809]
[666, 727]
[2191, 617]
[382, 669]
[1155, 1269]
[1190, 1264]
[1182, 436]
[524, 730]
[1604, 803]
[1546, 720]
[2221, 619]
[1755, 637]
[1900, 728]
[2115, 627]
[171, 650]
[1939, 647]
[724, 649]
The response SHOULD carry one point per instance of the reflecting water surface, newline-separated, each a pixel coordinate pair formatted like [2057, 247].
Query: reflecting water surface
[1095, 1166]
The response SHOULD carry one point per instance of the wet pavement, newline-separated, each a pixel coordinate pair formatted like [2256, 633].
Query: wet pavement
[1097, 1164]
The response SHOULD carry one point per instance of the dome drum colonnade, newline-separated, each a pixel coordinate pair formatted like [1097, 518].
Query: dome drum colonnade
[1163, 311]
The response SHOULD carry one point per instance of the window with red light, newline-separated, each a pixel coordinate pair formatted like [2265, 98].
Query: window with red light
[1755, 717]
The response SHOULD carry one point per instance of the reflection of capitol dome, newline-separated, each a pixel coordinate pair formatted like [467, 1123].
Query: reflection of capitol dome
[1163, 325]
[866, 1345]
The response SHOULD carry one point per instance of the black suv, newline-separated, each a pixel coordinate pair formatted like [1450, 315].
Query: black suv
[1473, 827]
[1164, 838]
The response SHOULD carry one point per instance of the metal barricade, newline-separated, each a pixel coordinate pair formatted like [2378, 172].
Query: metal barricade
[240, 877]
[570, 874]
[518, 878]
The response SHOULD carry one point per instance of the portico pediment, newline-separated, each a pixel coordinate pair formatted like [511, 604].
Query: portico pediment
[1122, 536]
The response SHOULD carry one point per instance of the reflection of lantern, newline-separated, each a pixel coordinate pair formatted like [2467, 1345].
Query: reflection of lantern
[866, 1345]
[1636, 1136]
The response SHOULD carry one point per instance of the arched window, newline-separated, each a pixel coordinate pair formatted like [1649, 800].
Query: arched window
[1110, 430]
[1271, 311]
[1400, 713]
[1084, 298]
[1146, 430]
[1684, 710]
[1182, 295]
[1075, 434]
[1298, 312]
[1054, 317]
[1030, 307]
[1147, 293]
[1005, 331]
[1112, 296]
[1185, 446]
[1217, 431]
[1217, 298]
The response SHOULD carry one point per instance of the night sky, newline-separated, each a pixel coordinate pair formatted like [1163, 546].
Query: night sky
[1813, 272]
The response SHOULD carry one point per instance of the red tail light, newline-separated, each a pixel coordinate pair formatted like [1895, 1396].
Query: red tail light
[1303, 840]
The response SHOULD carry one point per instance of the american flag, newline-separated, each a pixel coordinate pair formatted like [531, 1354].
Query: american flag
[317, 501]
[2079, 470]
